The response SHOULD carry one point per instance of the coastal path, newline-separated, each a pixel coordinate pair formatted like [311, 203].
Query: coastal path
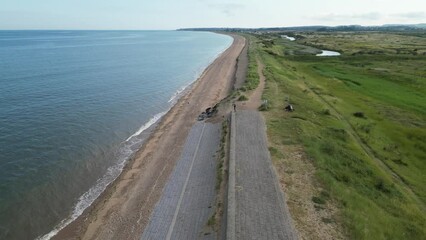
[256, 206]
[188, 199]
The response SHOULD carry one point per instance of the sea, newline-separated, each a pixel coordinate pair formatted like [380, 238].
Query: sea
[75, 106]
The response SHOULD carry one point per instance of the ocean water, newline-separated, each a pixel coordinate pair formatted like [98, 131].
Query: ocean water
[73, 108]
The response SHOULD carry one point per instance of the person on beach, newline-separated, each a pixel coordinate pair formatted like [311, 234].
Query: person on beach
[235, 107]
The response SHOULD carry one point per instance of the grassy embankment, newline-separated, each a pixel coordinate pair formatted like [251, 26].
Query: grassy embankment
[371, 163]
[252, 78]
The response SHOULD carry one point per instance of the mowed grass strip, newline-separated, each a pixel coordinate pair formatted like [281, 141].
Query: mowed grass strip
[362, 119]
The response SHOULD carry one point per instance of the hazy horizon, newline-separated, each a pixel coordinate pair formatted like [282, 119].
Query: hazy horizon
[171, 15]
[112, 29]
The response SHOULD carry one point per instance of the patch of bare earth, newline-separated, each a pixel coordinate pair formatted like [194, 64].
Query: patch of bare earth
[255, 96]
[297, 179]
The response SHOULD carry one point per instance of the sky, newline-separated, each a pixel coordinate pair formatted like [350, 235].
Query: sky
[168, 14]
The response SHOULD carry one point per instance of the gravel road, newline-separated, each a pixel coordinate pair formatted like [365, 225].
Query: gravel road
[188, 200]
[257, 206]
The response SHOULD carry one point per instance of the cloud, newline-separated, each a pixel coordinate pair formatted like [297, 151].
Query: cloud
[411, 15]
[331, 17]
[227, 8]
[371, 17]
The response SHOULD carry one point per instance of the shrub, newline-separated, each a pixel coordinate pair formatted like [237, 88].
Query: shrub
[318, 200]
[359, 114]
[326, 111]
[264, 106]
[242, 98]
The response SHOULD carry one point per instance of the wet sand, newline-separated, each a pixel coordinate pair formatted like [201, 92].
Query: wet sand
[123, 210]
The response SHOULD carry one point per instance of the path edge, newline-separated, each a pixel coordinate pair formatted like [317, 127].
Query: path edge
[230, 225]
[291, 230]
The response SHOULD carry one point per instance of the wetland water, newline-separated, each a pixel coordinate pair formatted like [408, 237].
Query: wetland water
[327, 53]
[289, 38]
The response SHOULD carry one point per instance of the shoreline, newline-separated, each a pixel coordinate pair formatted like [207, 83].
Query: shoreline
[123, 208]
[146, 129]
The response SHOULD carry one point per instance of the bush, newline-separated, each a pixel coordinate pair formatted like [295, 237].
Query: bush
[326, 111]
[264, 106]
[242, 98]
[318, 200]
[359, 114]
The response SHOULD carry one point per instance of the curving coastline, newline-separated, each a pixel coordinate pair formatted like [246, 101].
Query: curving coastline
[123, 209]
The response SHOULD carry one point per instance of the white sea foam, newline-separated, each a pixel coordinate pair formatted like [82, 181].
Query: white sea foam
[89, 197]
[180, 92]
[127, 149]
[147, 125]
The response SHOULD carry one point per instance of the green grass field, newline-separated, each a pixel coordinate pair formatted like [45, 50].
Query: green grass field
[361, 117]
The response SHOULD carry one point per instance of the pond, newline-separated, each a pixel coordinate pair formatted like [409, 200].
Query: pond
[289, 38]
[326, 53]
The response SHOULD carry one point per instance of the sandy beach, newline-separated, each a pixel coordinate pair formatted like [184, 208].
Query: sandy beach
[123, 210]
